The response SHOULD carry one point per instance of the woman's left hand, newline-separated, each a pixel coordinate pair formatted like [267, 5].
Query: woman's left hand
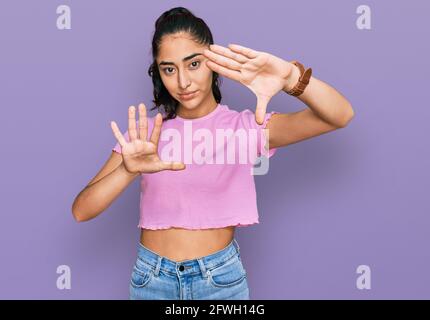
[263, 73]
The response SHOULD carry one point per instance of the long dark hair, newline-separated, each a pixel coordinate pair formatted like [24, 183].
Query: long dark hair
[172, 21]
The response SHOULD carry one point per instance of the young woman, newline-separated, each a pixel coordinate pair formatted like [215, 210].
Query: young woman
[195, 187]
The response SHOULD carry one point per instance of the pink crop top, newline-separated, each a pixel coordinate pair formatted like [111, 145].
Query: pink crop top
[216, 189]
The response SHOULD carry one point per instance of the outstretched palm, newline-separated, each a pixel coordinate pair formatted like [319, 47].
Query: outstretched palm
[263, 73]
[140, 155]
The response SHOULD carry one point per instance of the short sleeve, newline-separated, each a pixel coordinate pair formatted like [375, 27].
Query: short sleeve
[248, 119]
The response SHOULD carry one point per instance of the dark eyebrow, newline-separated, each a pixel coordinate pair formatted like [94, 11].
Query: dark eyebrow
[185, 59]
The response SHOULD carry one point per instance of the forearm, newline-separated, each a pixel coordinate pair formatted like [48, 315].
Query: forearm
[322, 99]
[98, 196]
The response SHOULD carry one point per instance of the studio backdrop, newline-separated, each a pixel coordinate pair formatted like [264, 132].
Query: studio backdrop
[344, 215]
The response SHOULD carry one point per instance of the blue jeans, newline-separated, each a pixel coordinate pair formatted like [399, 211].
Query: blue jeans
[218, 276]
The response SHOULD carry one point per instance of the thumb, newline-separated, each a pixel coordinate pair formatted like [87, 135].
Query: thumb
[260, 111]
[168, 165]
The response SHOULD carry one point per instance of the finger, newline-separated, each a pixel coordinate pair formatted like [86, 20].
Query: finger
[132, 132]
[221, 59]
[117, 133]
[155, 136]
[166, 165]
[228, 53]
[260, 111]
[232, 74]
[247, 52]
[143, 122]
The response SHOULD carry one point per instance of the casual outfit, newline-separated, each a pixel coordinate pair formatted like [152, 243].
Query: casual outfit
[215, 190]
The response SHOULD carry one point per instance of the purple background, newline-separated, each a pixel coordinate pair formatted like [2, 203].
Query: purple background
[358, 195]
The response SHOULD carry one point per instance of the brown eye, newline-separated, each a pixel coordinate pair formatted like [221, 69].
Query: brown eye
[195, 66]
[168, 68]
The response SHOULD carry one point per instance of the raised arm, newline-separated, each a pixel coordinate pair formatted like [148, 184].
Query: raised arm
[327, 110]
[138, 155]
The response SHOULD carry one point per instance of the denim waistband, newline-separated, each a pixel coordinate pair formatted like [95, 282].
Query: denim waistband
[192, 266]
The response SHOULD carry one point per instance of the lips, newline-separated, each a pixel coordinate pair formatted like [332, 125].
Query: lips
[188, 96]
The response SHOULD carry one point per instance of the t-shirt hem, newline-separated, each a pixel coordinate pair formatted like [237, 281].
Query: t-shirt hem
[207, 226]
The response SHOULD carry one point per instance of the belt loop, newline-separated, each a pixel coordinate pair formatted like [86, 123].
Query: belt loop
[237, 245]
[157, 268]
[203, 268]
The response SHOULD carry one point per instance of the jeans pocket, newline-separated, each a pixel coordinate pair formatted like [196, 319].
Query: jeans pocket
[141, 275]
[228, 274]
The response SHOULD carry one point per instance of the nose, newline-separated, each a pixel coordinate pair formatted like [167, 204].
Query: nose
[184, 81]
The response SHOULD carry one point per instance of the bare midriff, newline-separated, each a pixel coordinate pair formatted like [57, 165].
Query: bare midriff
[179, 244]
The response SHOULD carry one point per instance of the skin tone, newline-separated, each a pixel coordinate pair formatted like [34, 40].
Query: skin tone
[140, 155]
[264, 74]
[181, 76]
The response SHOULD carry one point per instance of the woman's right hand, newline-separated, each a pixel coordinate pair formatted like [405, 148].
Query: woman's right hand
[140, 155]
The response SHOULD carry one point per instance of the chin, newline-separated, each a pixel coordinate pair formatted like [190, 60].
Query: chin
[190, 105]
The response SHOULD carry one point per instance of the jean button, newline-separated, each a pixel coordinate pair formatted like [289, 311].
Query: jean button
[181, 268]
